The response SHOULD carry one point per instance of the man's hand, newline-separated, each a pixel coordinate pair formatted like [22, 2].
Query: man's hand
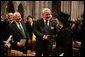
[4, 42]
[45, 37]
[8, 45]
[19, 44]
[29, 41]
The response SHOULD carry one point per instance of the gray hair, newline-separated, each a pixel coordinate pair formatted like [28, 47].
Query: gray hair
[17, 13]
[46, 10]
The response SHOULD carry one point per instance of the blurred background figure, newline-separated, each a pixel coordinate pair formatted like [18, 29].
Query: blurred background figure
[30, 29]
[10, 17]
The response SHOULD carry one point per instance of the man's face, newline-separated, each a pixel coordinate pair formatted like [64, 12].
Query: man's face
[30, 20]
[10, 16]
[17, 17]
[47, 15]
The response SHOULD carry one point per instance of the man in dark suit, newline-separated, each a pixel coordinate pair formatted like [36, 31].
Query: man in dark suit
[18, 30]
[45, 30]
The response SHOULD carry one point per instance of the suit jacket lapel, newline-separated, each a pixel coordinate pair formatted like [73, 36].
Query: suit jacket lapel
[42, 22]
[24, 28]
[50, 23]
[16, 28]
[23, 25]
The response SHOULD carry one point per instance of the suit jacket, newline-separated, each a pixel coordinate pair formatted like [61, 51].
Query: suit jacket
[39, 30]
[30, 29]
[17, 35]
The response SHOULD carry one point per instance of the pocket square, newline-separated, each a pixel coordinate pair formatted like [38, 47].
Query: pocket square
[52, 27]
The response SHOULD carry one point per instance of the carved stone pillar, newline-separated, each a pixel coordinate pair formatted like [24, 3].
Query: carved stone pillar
[66, 6]
[37, 9]
[77, 9]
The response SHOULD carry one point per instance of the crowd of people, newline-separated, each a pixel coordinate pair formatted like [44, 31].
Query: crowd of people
[54, 33]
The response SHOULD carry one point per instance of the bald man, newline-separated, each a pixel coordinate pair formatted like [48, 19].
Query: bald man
[44, 30]
[19, 32]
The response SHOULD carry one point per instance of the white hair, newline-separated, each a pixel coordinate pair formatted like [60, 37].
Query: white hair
[10, 13]
[17, 13]
[46, 10]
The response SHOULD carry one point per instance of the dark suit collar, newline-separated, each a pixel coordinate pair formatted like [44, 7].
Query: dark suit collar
[42, 22]
[15, 26]
[50, 21]
[17, 29]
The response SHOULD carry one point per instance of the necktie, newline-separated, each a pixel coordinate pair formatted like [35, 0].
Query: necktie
[22, 30]
[46, 22]
[20, 27]
[46, 27]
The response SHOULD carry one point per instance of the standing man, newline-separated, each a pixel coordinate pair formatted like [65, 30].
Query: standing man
[45, 30]
[18, 30]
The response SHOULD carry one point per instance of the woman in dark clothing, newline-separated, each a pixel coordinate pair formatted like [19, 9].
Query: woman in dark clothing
[63, 40]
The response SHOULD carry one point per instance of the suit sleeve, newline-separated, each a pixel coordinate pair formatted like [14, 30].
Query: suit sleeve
[37, 30]
[67, 36]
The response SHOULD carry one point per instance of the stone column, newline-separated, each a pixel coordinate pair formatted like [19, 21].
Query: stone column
[46, 3]
[74, 10]
[42, 4]
[50, 4]
[25, 9]
[41, 7]
[3, 12]
[37, 9]
[80, 8]
[16, 4]
[62, 6]
[66, 6]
